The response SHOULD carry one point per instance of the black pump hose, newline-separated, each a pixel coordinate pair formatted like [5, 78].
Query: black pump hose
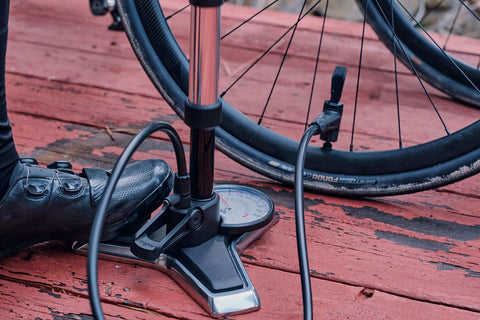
[300, 224]
[97, 226]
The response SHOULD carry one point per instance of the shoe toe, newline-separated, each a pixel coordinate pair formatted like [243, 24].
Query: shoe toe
[140, 190]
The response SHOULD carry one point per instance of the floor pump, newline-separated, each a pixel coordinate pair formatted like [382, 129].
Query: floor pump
[198, 234]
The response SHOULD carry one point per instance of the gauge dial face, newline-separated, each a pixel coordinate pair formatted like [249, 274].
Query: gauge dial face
[243, 208]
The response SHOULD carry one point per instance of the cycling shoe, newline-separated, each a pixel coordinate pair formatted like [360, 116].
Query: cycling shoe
[54, 203]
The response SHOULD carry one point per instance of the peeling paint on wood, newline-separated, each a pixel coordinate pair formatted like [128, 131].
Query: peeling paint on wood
[407, 257]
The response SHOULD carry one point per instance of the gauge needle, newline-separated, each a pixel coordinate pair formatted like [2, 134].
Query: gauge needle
[224, 201]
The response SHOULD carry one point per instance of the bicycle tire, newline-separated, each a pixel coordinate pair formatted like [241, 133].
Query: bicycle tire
[336, 172]
[432, 63]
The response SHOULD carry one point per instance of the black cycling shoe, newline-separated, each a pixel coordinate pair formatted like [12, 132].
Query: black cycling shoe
[54, 203]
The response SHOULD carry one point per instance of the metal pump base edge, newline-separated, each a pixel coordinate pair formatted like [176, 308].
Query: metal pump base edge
[240, 298]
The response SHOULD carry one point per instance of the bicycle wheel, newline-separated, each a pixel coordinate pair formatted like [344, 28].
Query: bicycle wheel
[356, 171]
[417, 49]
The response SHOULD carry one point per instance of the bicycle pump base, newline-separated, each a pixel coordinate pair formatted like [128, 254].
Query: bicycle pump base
[238, 295]
[190, 243]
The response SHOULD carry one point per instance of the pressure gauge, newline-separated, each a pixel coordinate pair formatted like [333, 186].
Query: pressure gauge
[243, 209]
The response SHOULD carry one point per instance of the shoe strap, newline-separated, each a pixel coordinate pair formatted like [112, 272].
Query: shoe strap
[97, 179]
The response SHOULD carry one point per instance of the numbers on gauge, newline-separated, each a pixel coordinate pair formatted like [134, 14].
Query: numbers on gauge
[243, 208]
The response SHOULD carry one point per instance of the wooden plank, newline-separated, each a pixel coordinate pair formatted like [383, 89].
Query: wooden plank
[417, 254]
[348, 239]
[126, 285]
[391, 248]
[56, 25]
[36, 301]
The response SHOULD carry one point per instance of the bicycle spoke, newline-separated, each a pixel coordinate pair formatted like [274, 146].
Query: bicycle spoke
[176, 12]
[432, 9]
[412, 66]
[316, 66]
[450, 31]
[358, 77]
[470, 10]
[248, 20]
[281, 63]
[397, 98]
[438, 46]
[269, 49]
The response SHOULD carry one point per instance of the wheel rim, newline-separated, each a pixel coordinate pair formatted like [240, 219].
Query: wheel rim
[179, 62]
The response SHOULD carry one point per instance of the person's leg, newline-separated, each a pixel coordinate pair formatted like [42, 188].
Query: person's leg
[39, 204]
[8, 153]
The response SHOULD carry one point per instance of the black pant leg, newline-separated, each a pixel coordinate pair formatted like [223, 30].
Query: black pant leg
[8, 153]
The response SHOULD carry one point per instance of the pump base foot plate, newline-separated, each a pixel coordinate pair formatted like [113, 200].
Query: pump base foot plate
[232, 294]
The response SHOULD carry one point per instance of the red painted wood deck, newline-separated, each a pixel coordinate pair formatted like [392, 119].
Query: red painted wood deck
[69, 79]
